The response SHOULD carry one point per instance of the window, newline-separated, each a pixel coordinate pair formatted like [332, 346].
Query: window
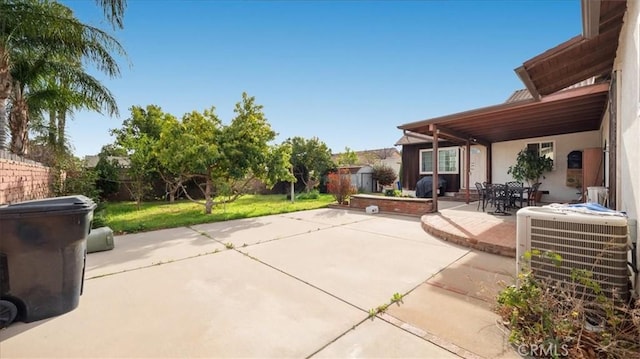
[543, 149]
[447, 161]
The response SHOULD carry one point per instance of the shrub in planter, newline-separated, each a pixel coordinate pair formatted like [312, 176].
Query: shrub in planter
[393, 193]
[385, 175]
[339, 185]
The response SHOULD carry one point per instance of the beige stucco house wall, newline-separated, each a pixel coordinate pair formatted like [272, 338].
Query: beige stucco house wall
[627, 67]
[628, 118]
[504, 155]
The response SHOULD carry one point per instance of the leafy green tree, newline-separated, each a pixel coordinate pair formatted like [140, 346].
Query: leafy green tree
[224, 158]
[140, 169]
[108, 173]
[77, 179]
[139, 136]
[172, 157]
[277, 165]
[247, 150]
[311, 158]
[112, 149]
[347, 158]
[196, 151]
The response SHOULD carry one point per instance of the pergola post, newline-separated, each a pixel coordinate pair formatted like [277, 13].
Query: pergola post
[488, 165]
[434, 182]
[468, 169]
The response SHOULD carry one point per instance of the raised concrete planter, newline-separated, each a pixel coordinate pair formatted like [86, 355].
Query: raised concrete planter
[400, 205]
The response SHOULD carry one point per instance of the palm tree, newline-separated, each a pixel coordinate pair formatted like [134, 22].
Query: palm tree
[50, 31]
[57, 86]
[113, 11]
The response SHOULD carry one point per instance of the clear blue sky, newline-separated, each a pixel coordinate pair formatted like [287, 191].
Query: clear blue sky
[347, 72]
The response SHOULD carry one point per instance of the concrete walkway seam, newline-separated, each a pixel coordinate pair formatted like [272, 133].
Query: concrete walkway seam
[332, 226]
[336, 338]
[431, 338]
[157, 264]
[298, 279]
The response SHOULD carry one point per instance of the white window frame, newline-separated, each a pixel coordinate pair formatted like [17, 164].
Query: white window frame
[429, 152]
[553, 146]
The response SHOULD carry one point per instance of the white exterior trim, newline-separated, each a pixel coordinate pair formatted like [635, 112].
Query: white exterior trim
[440, 172]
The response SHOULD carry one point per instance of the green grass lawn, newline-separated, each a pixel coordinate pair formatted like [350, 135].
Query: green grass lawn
[123, 217]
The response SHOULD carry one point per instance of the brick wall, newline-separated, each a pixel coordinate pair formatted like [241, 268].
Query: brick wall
[401, 205]
[22, 179]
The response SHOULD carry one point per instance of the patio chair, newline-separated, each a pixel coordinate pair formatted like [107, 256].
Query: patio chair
[488, 190]
[531, 194]
[501, 199]
[515, 192]
[482, 195]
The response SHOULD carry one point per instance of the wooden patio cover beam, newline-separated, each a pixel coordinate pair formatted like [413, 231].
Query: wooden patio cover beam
[489, 124]
[461, 136]
[582, 57]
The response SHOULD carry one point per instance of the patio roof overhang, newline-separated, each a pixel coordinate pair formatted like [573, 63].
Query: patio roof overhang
[573, 110]
[584, 56]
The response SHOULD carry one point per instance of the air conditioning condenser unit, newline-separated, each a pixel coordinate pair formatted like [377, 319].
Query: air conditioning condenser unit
[598, 244]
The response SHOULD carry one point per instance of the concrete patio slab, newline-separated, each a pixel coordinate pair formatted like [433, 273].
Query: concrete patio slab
[149, 248]
[463, 294]
[407, 228]
[257, 230]
[365, 342]
[218, 305]
[305, 289]
[363, 268]
[462, 320]
[479, 275]
[333, 217]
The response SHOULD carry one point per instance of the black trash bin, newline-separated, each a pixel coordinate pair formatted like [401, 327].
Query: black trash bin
[42, 256]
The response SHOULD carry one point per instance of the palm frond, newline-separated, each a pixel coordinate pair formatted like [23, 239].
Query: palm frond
[114, 11]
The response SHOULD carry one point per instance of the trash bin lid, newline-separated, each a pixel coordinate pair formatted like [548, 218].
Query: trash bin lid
[69, 204]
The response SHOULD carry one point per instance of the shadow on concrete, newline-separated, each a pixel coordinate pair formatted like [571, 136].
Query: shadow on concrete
[225, 229]
[477, 275]
[163, 245]
[18, 327]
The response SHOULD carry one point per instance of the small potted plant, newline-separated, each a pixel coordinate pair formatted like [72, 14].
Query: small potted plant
[530, 167]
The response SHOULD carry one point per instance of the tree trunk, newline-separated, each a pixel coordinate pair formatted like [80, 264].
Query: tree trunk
[4, 120]
[293, 192]
[62, 122]
[173, 191]
[51, 130]
[138, 192]
[5, 91]
[208, 205]
[19, 126]
[305, 181]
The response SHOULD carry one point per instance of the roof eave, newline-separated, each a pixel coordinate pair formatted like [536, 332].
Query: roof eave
[590, 18]
[502, 109]
[454, 116]
[526, 80]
